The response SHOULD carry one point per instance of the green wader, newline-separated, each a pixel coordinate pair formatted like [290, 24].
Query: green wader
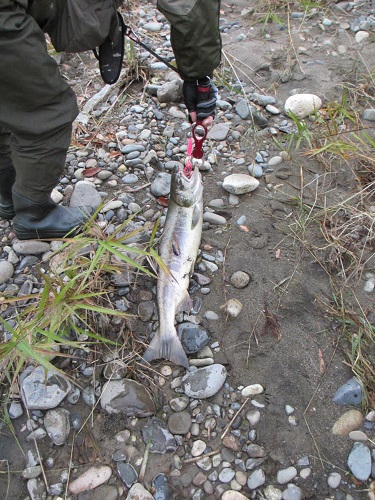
[37, 107]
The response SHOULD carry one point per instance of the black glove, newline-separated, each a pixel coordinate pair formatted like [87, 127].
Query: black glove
[200, 96]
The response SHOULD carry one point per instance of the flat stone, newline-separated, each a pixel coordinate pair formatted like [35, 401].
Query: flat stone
[36, 489]
[349, 393]
[156, 432]
[127, 473]
[226, 475]
[240, 183]
[198, 448]
[32, 472]
[193, 337]
[349, 421]
[90, 479]
[204, 382]
[272, 493]
[286, 475]
[126, 397]
[256, 479]
[6, 271]
[358, 436]
[57, 425]
[15, 410]
[153, 26]
[139, 492]
[170, 91]
[85, 194]
[161, 185]
[162, 488]
[31, 247]
[104, 492]
[179, 404]
[43, 390]
[359, 461]
[111, 205]
[302, 105]
[252, 390]
[218, 132]
[179, 423]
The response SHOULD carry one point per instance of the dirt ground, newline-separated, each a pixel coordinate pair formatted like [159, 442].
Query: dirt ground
[287, 282]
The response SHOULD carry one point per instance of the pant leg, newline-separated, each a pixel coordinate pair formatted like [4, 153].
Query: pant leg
[36, 105]
[5, 151]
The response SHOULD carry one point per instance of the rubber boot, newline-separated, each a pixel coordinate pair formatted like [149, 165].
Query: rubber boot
[46, 220]
[7, 178]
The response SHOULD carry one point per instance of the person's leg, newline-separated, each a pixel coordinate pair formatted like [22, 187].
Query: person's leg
[7, 176]
[38, 107]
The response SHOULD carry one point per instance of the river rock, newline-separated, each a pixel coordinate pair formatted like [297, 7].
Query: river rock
[85, 194]
[36, 489]
[162, 489]
[170, 91]
[161, 185]
[334, 480]
[256, 479]
[349, 393]
[57, 425]
[272, 493]
[204, 382]
[292, 492]
[233, 495]
[232, 307]
[349, 421]
[127, 473]
[239, 279]
[31, 247]
[139, 492]
[179, 423]
[156, 433]
[240, 183]
[218, 132]
[252, 390]
[286, 475]
[6, 271]
[43, 390]
[302, 105]
[126, 397]
[193, 337]
[90, 479]
[359, 461]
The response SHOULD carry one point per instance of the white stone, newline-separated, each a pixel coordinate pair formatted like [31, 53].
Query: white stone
[272, 493]
[357, 436]
[334, 480]
[361, 36]
[233, 495]
[204, 382]
[139, 492]
[252, 390]
[232, 307]
[256, 479]
[6, 271]
[302, 105]
[90, 479]
[305, 473]
[198, 448]
[240, 183]
[253, 416]
[56, 196]
[286, 475]
[112, 205]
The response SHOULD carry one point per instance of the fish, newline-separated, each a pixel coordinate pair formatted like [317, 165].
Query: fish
[178, 249]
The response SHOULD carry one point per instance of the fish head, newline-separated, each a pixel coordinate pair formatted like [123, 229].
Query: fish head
[185, 191]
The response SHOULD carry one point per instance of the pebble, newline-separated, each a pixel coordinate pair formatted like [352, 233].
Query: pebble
[36, 489]
[6, 271]
[126, 397]
[302, 105]
[214, 219]
[198, 448]
[369, 114]
[272, 493]
[253, 416]
[90, 479]
[239, 279]
[161, 185]
[226, 475]
[85, 194]
[204, 382]
[233, 495]
[240, 183]
[218, 132]
[252, 390]
[334, 480]
[193, 337]
[156, 432]
[255, 170]
[127, 473]
[286, 475]
[232, 307]
[349, 393]
[359, 461]
[139, 492]
[15, 410]
[32, 472]
[179, 423]
[57, 425]
[292, 492]
[361, 36]
[256, 479]
[31, 247]
[358, 436]
[42, 390]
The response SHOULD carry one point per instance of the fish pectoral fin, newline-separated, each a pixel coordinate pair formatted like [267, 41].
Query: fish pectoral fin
[169, 347]
[197, 215]
[186, 304]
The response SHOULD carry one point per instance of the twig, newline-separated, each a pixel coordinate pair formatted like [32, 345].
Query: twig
[195, 459]
[138, 188]
[233, 419]
[144, 463]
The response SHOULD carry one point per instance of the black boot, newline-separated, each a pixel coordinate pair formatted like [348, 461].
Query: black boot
[46, 220]
[7, 178]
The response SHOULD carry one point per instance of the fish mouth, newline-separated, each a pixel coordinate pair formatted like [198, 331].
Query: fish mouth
[185, 190]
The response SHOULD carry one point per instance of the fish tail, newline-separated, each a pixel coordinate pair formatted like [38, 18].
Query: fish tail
[167, 347]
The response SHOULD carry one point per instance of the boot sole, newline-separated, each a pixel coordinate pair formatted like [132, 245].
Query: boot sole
[7, 214]
[27, 234]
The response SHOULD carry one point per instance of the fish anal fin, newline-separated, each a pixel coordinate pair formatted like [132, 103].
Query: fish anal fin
[167, 347]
